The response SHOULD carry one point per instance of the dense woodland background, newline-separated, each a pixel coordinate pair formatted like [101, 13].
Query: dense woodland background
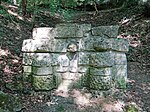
[19, 17]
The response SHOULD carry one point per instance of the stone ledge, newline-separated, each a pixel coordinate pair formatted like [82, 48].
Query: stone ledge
[109, 31]
[119, 73]
[43, 33]
[37, 59]
[68, 30]
[100, 71]
[42, 70]
[97, 43]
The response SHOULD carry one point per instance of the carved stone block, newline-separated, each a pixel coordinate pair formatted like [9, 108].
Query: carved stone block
[99, 82]
[68, 30]
[100, 71]
[43, 33]
[43, 82]
[119, 73]
[109, 31]
[42, 70]
[102, 59]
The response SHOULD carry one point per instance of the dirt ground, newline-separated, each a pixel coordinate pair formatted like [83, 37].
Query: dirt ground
[133, 26]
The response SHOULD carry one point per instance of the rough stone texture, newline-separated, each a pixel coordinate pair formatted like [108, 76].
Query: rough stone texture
[42, 70]
[41, 59]
[59, 45]
[27, 59]
[27, 69]
[84, 58]
[119, 73]
[109, 31]
[38, 45]
[70, 30]
[83, 69]
[102, 44]
[114, 44]
[102, 59]
[43, 33]
[120, 58]
[75, 56]
[120, 44]
[100, 71]
[99, 82]
[43, 82]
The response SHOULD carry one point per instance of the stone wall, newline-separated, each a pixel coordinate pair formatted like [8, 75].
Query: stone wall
[75, 56]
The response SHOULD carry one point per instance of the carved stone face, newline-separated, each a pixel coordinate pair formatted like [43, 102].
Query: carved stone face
[72, 47]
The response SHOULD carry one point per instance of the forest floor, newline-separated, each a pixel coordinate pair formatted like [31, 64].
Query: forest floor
[133, 26]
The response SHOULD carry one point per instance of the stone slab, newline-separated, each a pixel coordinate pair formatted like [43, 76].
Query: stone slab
[60, 57]
[109, 31]
[27, 58]
[84, 58]
[119, 73]
[43, 82]
[115, 44]
[41, 59]
[98, 43]
[98, 82]
[68, 30]
[38, 45]
[27, 69]
[42, 70]
[59, 45]
[102, 59]
[37, 59]
[83, 69]
[86, 43]
[102, 43]
[120, 44]
[43, 33]
[86, 28]
[120, 58]
[100, 71]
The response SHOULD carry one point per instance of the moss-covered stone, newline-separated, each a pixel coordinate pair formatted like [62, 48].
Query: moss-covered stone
[84, 58]
[43, 82]
[119, 73]
[100, 83]
[110, 31]
[41, 59]
[68, 30]
[100, 71]
[27, 69]
[102, 59]
[120, 58]
[42, 70]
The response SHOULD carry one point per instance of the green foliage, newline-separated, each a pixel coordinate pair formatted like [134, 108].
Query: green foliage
[131, 108]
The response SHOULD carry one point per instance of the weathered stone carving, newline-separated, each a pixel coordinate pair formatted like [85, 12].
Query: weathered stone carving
[73, 55]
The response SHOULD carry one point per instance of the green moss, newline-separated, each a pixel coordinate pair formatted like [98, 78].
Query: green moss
[121, 84]
[131, 108]
[9, 103]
